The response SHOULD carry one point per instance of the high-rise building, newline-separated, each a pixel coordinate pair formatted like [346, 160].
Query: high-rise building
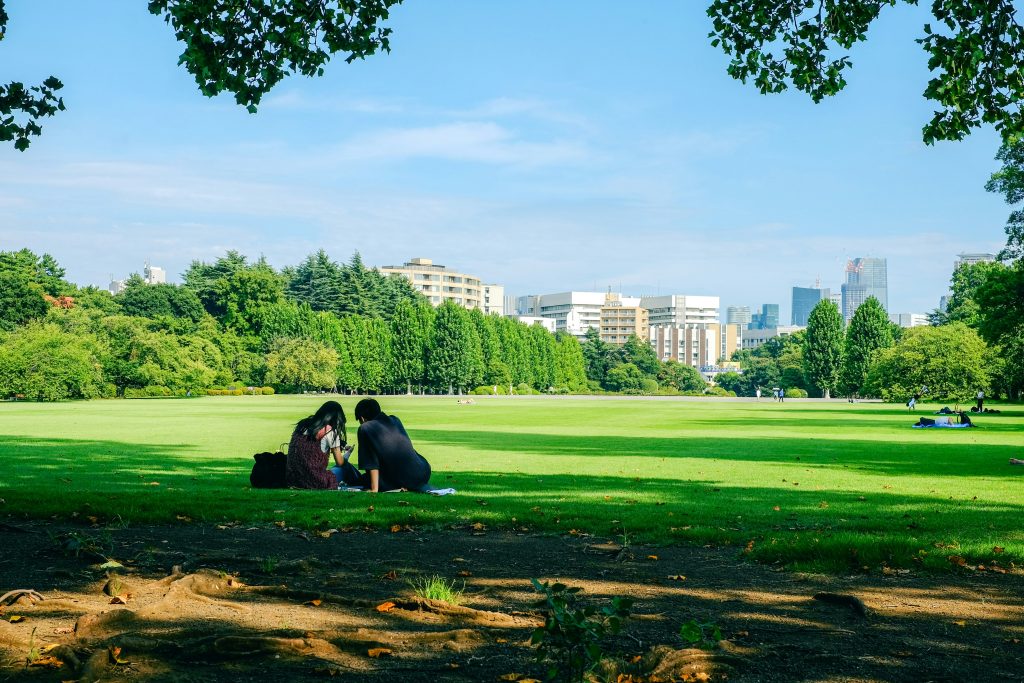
[440, 284]
[620, 322]
[766, 318]
[804, 301]
[681, 309]
[738, 315]
[864, 277]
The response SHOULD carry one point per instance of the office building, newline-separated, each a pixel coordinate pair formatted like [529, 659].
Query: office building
[865, 277]
[971, 259]
[493, 300]
[804, 301]
[154, 275]
[766, 318]
[619, 322]
[116, 286]
[573, 312]
[909, 319]
[526, 305]
[700, 345]
[681, 309]
[547, 323]
[753, 338]
[440, 284]
[738, 315]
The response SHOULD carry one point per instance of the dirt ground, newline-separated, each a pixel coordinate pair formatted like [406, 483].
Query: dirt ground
[235, 603]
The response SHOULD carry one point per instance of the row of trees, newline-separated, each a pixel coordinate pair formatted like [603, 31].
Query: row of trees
[319, 325]
[634, 368]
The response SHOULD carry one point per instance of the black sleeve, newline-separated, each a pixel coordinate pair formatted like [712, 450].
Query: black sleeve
[367, 451]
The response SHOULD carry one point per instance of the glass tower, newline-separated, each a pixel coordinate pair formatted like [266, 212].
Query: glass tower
[865, 277]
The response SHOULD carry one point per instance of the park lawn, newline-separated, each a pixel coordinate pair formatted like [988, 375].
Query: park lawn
[810, 485]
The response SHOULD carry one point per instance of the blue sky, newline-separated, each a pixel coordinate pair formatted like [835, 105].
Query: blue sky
[544, 146]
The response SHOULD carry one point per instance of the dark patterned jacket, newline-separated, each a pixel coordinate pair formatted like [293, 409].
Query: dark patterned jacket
[307, 465]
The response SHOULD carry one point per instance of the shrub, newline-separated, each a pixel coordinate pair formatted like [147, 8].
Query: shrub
[796, 392]
[718, 391]
[648, 386]
[267, 391]
[482, 391]
[524, 389]
[237, 392]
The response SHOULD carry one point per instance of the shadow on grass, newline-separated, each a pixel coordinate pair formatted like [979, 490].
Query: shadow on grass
[809, 524]
[920, 455]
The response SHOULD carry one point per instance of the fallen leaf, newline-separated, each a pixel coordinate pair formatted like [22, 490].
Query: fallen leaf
[652, 557]
[115, 655]
[395, 528]
[677, 577]
[960, 623]
[15, 618]
[391, 575]
[477, 526]
[378, 652]
[153, 483]
[385, 607]
[998, 549]
[47, 660]
[279, 524]
[465, 572]
[776, 508]
[183, 518]
[313, 603]
[370, 509]
[510, 677]
[119, 600]
[501, 641]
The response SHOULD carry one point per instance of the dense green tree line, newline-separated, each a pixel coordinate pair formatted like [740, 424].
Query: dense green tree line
[318, 326]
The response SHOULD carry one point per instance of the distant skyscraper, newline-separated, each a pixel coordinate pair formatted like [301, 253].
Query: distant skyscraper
[737, 315]
[864, 277]
[804, 301]
[767, 318]
[154, 275]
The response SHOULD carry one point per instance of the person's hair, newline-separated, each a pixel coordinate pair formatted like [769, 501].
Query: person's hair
[368, 409]
[330, 413]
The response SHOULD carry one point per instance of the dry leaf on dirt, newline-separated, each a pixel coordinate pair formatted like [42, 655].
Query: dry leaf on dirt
[313, 603]
[183, 518]
[510, 677]
[385, 606]
[465, 572]
[395, 528]
[652, 557]
[279, 524]
[998, 549]
[378, 652]
[390, 575]
[677, 577]
[120, 599]
[15, 618]
[47, 660]
[115, 656]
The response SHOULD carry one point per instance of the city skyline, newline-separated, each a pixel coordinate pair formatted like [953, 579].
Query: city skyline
[564, 167]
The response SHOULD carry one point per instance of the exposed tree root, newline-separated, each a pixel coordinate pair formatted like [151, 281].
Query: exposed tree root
[18, 594]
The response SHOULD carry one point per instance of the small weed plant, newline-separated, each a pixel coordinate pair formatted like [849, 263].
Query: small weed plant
[268, 565]
[78, 543]
[702, 634]
[437, 588]
[571, 641]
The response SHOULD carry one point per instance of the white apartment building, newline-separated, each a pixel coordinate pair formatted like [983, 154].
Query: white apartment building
[440, 284]
[699, 345]
[494, 300]
[681, 309]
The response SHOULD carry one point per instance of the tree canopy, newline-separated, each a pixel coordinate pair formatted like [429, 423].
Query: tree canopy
[975, 50]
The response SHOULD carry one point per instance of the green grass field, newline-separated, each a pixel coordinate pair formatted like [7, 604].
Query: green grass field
[826, 486]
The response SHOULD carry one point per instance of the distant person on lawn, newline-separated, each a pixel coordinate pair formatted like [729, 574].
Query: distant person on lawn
[386, 455]
[313, 438]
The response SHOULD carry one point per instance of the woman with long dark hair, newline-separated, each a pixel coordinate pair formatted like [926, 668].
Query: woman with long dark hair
[314, 437]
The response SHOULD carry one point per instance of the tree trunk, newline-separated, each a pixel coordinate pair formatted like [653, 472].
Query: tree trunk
[827, 393]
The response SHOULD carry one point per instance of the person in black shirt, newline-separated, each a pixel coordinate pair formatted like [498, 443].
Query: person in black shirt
[385, 451]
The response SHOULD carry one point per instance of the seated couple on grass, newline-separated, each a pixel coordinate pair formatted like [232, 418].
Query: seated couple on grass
[386, 455]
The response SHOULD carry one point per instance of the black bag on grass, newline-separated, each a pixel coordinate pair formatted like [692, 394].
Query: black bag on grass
[269, 471]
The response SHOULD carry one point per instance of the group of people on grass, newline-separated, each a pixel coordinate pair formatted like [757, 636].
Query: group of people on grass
[386, 456]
